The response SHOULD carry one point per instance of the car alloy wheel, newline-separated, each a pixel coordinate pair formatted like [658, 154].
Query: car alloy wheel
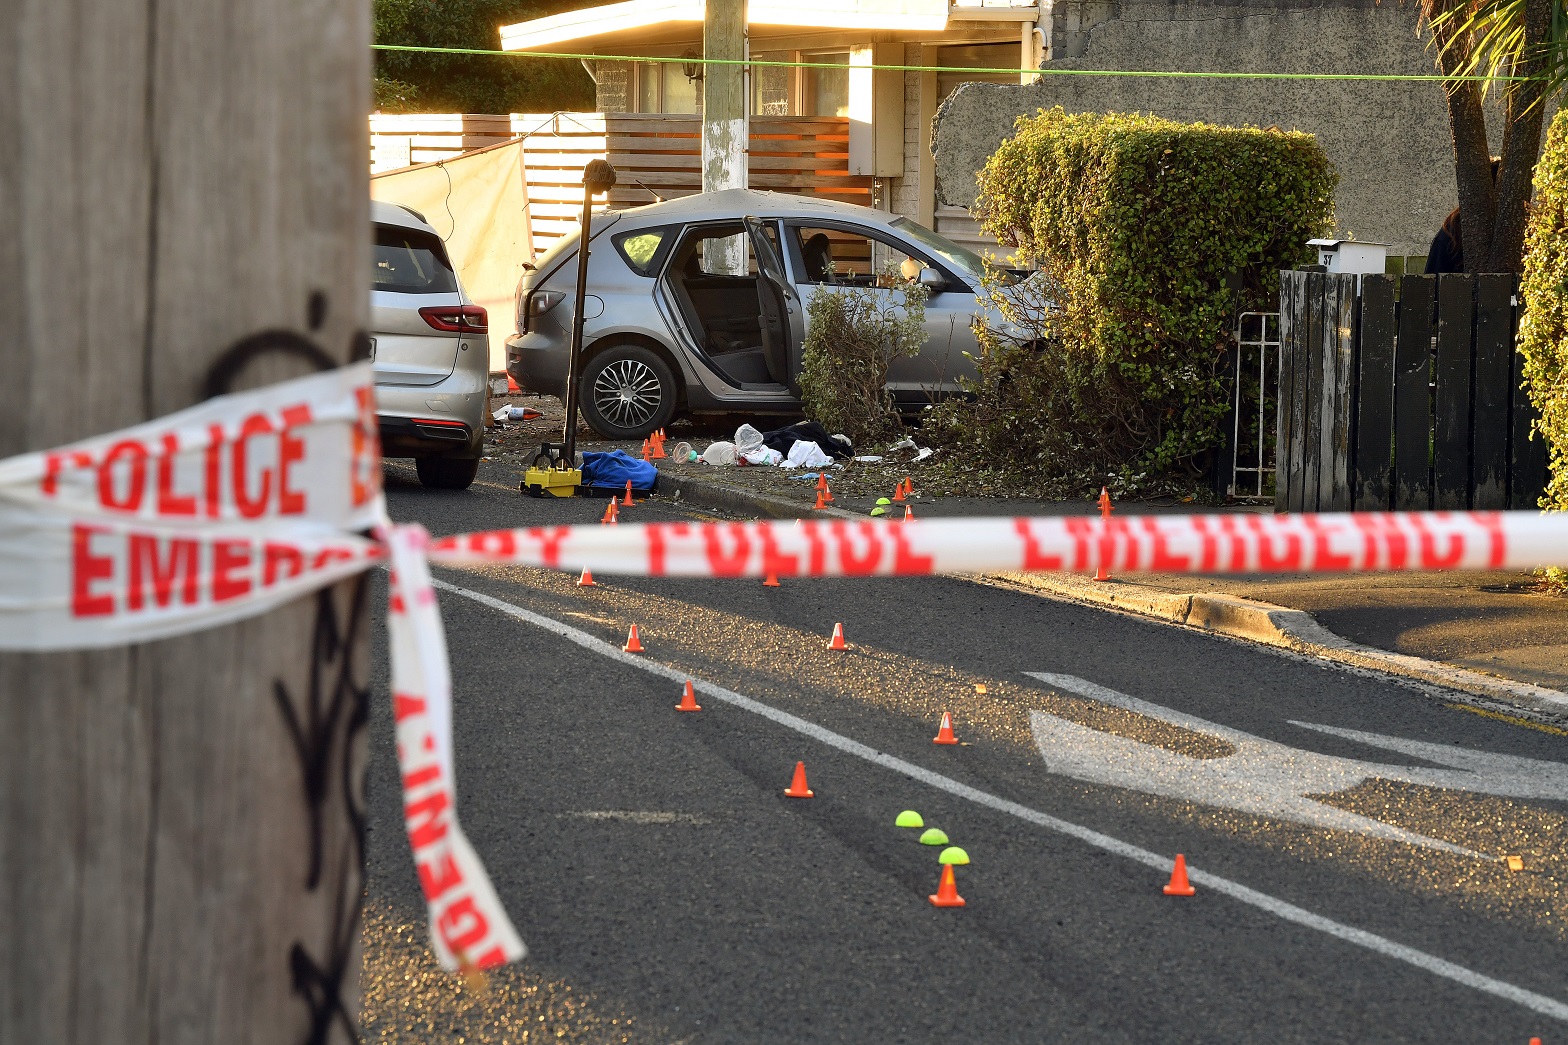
[627, 393]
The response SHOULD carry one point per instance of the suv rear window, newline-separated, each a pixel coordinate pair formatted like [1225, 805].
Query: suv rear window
[408, 261]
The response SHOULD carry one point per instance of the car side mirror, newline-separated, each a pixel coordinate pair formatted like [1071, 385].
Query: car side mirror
[933, 279]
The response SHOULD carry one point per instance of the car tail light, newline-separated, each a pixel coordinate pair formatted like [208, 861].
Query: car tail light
[538, 303]
[461, 319]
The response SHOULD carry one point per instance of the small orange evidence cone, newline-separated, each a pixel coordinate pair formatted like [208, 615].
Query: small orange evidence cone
[656, 442]
[797, 787]
[1105, 503]
[633, 643]
[822, 480]
[909, 487]
[586, 580]
[615, 513]
[628, 502]
[909, 512]
[827, 491]
[772, 580]
[1178, 885]
[821, 504]
[898, 493]
[837, 642]
[645, 449]
[944, 732]
[609, 511]
[688, 700]
[947, 890]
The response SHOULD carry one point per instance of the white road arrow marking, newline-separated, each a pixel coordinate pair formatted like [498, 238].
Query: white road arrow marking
[1266, 778]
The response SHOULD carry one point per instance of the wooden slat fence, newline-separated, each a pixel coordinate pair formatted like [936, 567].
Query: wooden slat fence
[400, 140]
[662, 154]
[1403, 393]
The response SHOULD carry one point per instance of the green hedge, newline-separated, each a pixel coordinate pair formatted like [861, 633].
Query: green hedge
[1543, 326]
[1158, 234]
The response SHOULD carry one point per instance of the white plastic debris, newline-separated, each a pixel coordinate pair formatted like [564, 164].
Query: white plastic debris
[807, 454]
[747, 440]
[763, 455]
[719, 453]
[925, 451]
[869, 459]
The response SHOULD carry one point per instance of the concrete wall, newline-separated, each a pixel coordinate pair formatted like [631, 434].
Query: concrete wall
[1390, 141]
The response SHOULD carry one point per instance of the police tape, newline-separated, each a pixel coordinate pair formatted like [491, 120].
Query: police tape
[222, 512]
[235, 506]
[1206, 544]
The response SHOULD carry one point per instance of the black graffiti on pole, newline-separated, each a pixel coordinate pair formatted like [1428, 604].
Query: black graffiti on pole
[336, 710]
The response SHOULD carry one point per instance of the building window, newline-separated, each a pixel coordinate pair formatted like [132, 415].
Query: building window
[663, 88]
[826, 91]
[771, 84]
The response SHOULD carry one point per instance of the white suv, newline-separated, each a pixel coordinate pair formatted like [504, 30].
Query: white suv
[431, 352]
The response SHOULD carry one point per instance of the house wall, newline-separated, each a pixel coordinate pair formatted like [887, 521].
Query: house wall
[612, 87]
[1390, 141]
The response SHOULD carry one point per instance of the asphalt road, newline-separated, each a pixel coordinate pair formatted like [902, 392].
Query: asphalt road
[669, 892]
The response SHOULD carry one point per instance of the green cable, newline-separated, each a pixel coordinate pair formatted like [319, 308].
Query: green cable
[1046, 70]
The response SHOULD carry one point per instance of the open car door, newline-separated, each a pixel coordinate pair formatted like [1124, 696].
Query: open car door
[778, 307]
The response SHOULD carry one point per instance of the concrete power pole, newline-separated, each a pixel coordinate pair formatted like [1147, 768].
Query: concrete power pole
[180, 847]
[724, 96]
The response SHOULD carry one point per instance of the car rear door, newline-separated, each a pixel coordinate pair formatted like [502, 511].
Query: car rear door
[411, 272]
[783, 320]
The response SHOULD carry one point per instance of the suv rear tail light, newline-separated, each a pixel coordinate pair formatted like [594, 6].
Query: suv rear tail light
[460, 319]
[538, 303]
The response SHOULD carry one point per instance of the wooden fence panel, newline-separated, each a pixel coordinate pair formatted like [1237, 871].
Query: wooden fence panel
[1490, 398]
[1312, 371]
[1374, 430]
[659, 157]
[1291, 290]
[1451, 431]
[1412, 395]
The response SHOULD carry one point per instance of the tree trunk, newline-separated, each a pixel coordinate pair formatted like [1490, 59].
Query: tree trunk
[180, 845]
[1521, 147]
[1472, 154]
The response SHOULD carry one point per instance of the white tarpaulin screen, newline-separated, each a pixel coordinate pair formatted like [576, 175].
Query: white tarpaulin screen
[478, 203]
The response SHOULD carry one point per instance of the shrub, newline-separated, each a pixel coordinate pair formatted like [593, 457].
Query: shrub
[853, 333]
[1543, 325]
[1156, 233]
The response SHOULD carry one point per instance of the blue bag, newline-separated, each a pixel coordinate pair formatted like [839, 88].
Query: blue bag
[607, 472]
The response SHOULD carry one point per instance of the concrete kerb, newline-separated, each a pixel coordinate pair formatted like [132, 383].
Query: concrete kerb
[1227, 615]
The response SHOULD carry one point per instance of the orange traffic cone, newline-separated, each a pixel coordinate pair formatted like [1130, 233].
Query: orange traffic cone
[837, 641]
[609, 511]
[822, 480]
[614, 513]
[1178, 885]
[947, 890]
[633, 643]
[898, 493]
[1102, 573]
[628, 502]
[909, 512]
[772, 580]
[688, 700]
[944, 732]
[586, 580]
[797, 787]
[645, 450]
[657, 442]
[827, 492]
[821, 504]
[909, 487]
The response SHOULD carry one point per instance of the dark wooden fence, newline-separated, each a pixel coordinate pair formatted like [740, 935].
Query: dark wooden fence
[1402, 393]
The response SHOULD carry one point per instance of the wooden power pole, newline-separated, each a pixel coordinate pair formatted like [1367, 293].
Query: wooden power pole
[180, 847]
[724, 124]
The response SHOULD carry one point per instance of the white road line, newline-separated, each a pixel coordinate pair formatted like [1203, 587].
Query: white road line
[1289, 912]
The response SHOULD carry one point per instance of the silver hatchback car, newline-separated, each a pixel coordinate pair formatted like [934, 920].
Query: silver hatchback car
[430, 351]
[696, 305]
